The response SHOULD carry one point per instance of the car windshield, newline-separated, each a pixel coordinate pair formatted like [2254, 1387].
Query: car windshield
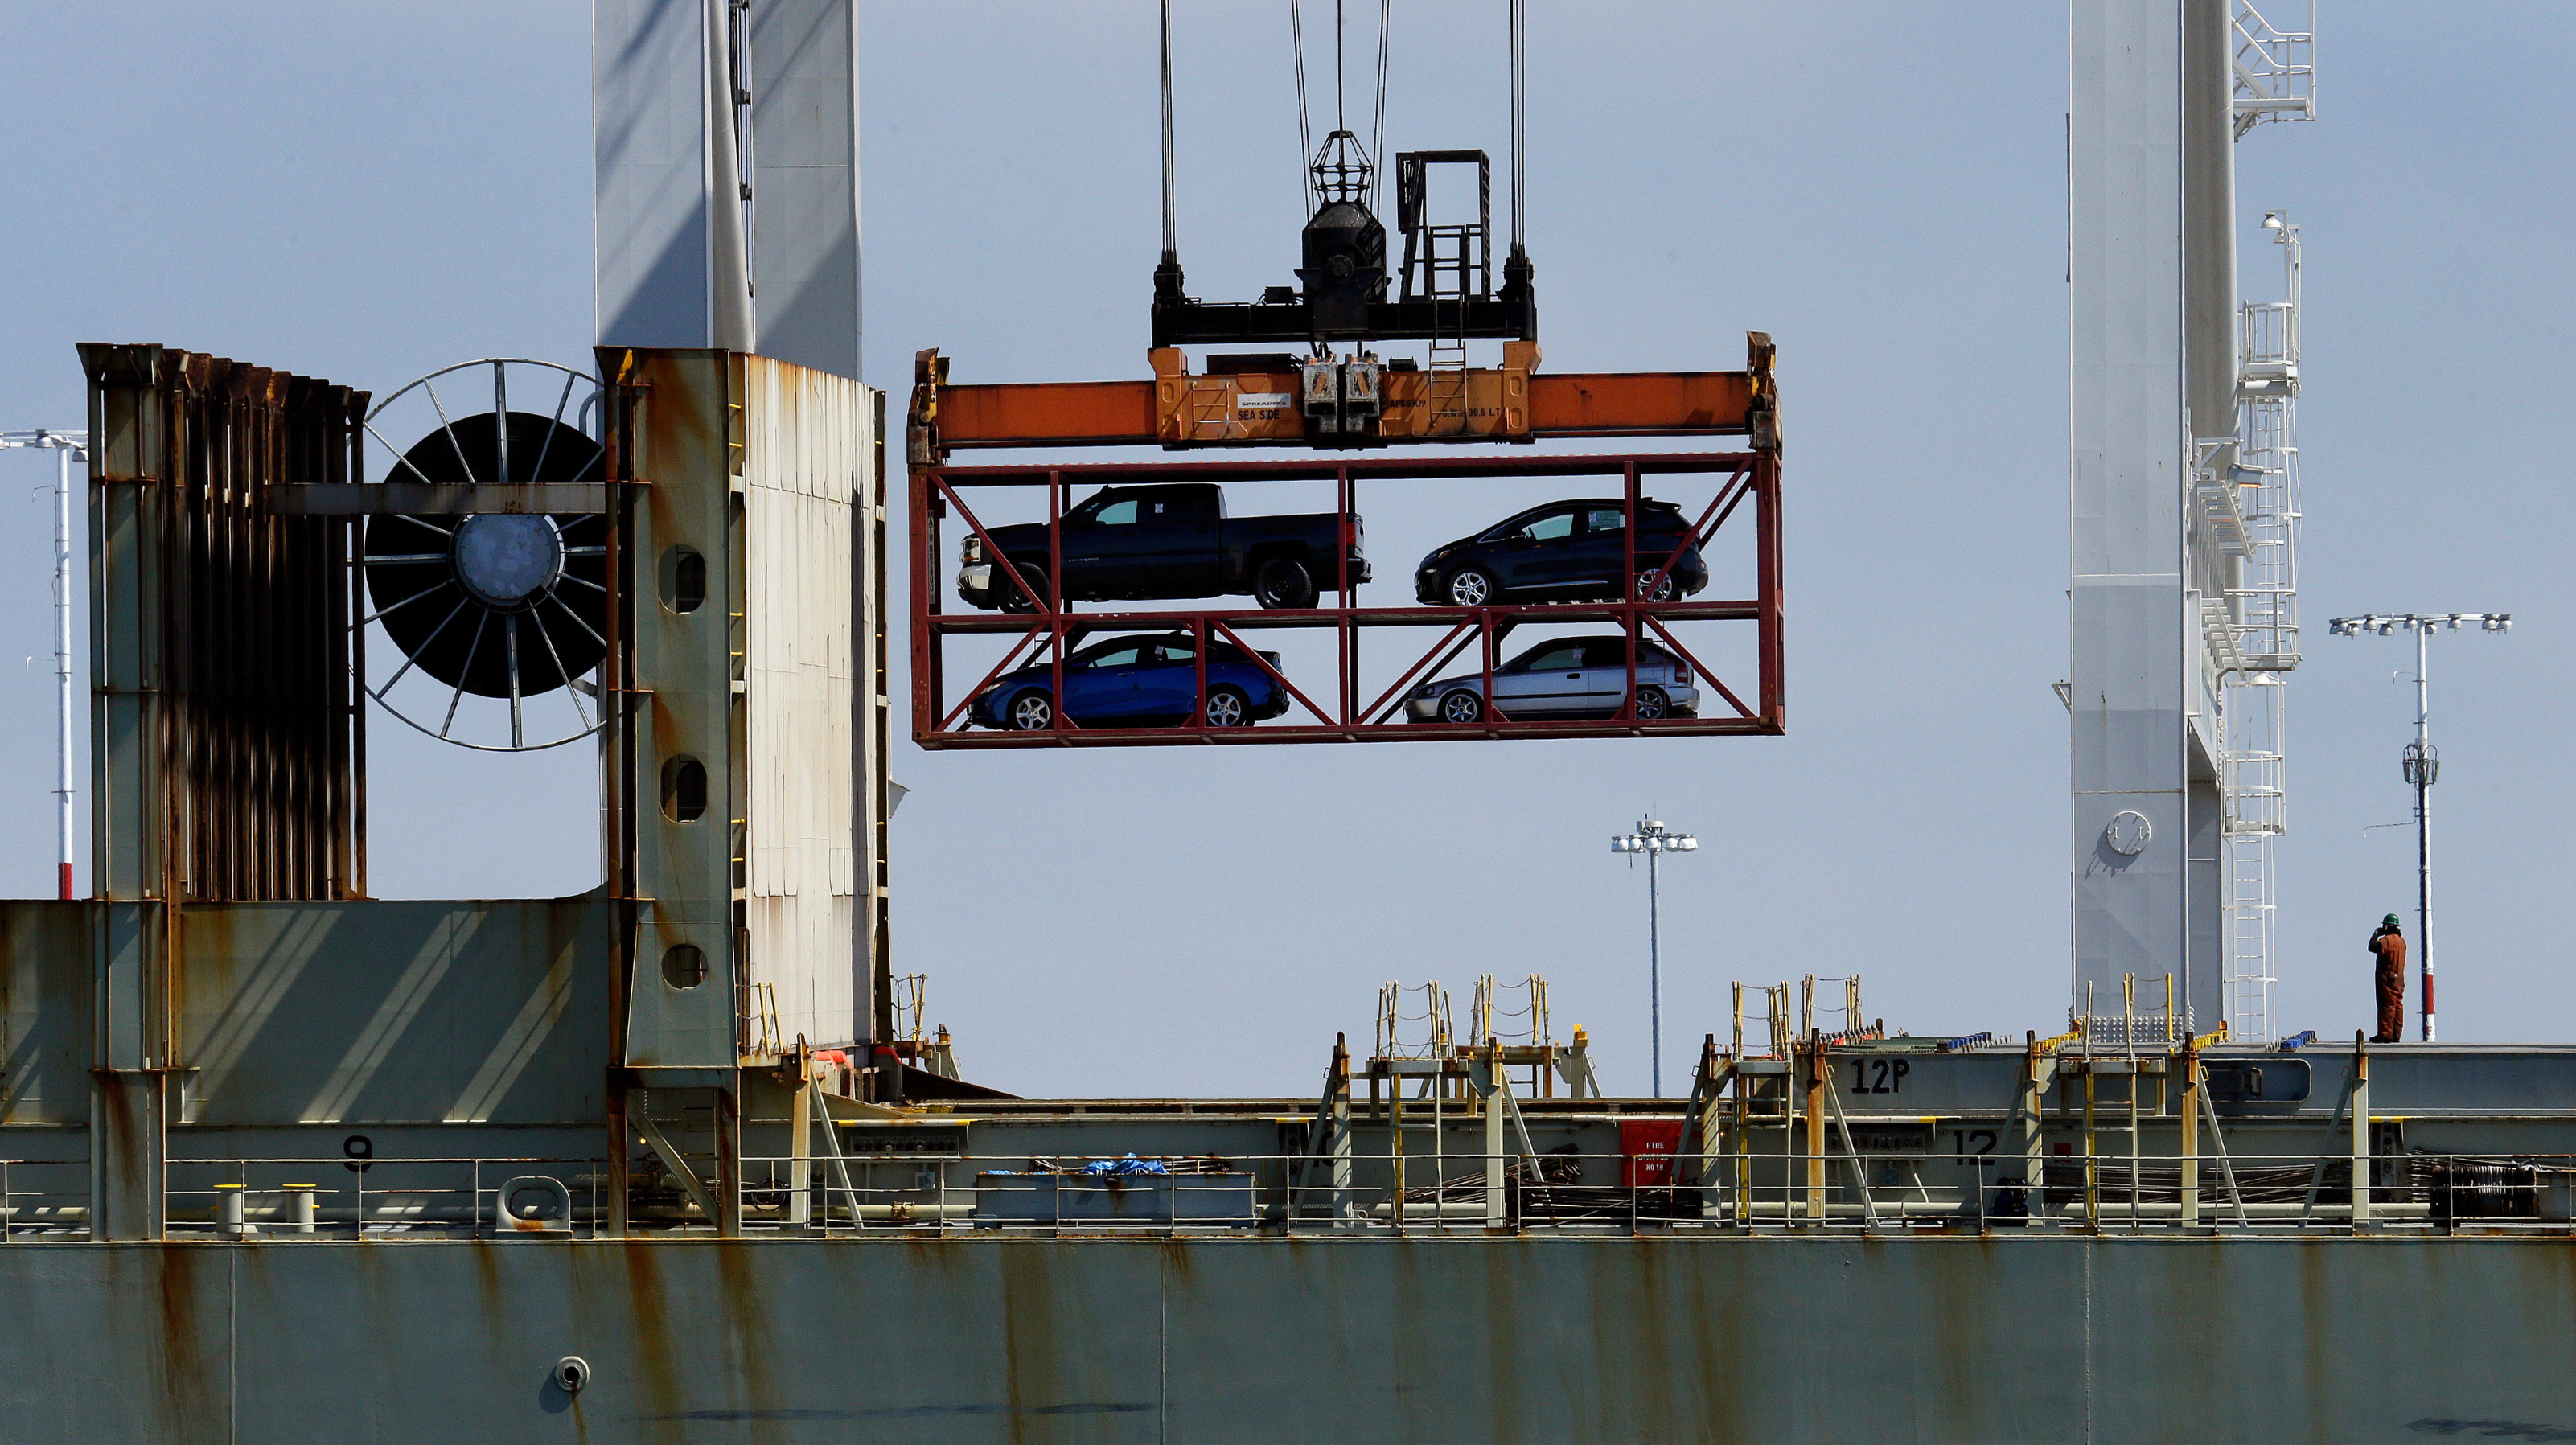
[1559, 521]
[1550, 657]
[1116, 652]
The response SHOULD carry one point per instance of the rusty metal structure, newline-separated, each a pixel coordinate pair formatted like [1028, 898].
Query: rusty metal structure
[742, 733]
[228, 754]
[222, 628]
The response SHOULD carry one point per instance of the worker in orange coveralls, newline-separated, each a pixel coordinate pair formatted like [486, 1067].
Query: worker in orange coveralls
[2388, 945]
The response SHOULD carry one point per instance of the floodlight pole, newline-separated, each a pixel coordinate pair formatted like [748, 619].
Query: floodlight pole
[1654, 839]
[2422, 765]
[1655, 971]
[65, 445]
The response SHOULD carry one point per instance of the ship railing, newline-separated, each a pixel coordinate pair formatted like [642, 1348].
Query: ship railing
[1973, 1189]
[42, 1199]
[433, 1196]
[1627, 1193]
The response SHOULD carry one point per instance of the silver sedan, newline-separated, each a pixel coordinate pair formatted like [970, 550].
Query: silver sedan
[1568, 677]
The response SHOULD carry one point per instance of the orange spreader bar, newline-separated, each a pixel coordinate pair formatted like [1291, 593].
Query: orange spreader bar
[1043, 414]
[1259, 408]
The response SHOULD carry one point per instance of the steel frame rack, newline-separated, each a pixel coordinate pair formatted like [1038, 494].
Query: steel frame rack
[1531, 408]
[937, 490]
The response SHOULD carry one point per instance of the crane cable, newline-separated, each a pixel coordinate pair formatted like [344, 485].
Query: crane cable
[1519, 30]
[1377, 136]
[1306, 156]
[1520, 108]
[1171, 225]
[1305, 128]
[1340, 117]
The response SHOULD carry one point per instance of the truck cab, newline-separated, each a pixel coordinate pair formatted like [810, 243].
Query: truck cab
[1172, 540]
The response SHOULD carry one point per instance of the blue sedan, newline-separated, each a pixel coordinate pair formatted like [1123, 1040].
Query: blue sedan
[1148, 681]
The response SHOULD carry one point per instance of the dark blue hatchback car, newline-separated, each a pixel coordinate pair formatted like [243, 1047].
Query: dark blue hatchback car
[1136, 681]
[1565, 552]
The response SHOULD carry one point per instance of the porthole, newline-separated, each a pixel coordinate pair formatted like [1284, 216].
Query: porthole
[684, 580]
[684, 790]
[684, 965]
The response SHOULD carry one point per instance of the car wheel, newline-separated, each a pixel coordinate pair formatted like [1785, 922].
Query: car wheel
[1227, 707]
[1032, 712]
[1471, 587]
[1461, 706]
[1665, 591]
[1013, 599]
[1651, 703]
[1283, 582]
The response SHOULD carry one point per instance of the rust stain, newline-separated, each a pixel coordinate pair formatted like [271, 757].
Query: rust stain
[184, 1395]
[492, 1303]
[1648, 1385]
[2315, 1299]
[1714, 1325]
[1308, 1258]
[1024, 1295]
[1959, 1342]
[213, 951]
[655, 1366]
[1502, 1260]
[746, 1316]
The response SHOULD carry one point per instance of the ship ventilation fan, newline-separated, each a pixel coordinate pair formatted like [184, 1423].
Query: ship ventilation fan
[488, 571]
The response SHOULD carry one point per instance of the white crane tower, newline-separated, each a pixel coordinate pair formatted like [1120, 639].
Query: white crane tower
[2183, 510]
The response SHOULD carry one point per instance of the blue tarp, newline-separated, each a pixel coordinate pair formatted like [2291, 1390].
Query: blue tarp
[1129, 1165]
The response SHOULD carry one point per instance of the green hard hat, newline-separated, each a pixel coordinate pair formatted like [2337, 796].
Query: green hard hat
[2389, 922]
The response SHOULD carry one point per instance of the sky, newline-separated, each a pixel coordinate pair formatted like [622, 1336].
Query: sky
[367, 193]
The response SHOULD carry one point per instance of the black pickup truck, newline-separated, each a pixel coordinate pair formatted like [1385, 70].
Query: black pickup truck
[1170, 540]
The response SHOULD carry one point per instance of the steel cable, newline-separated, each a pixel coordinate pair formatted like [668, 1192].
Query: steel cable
[1377, 135]
[1520, 109]
[1171, 227]
[1305, 127]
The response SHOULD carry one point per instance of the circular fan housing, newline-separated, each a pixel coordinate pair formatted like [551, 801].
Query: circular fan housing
[498, 604]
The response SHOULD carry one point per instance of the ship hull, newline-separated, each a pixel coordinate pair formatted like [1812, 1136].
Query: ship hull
[1674, 1338]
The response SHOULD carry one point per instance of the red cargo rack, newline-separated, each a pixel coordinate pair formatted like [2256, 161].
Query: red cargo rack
[939, 715]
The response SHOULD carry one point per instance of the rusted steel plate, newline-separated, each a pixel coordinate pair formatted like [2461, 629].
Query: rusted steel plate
[226, 636]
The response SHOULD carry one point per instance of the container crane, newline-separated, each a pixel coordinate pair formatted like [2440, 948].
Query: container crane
[1339, 393]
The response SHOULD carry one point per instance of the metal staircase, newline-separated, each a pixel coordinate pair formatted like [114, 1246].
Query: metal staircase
[1448, 266]
[2264, 608]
